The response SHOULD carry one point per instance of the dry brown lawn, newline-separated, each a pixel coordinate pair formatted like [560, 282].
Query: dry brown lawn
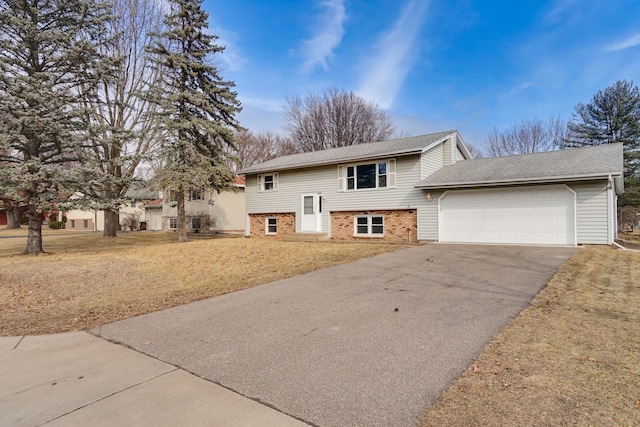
[572, 358]
[85, 280]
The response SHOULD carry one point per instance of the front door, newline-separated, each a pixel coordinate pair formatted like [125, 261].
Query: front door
[311, 213]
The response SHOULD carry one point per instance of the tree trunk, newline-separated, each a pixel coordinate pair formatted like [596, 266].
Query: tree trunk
[182, 223]
[34, 237]
[111, 221]
[13, 218]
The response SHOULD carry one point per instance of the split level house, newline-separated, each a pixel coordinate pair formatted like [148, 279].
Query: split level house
[204, 211]
[93, 220]
[429, 188]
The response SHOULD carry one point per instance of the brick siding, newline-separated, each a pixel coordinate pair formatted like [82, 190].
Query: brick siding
[399, 225]
[286, 224]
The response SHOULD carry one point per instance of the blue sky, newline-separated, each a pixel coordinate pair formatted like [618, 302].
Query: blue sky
[433, 65]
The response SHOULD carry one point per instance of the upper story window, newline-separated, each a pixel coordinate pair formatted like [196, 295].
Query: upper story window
[361, 176]
[268, 182]
[196, 194]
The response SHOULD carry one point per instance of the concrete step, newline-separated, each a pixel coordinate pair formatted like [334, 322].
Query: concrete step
[305, 237]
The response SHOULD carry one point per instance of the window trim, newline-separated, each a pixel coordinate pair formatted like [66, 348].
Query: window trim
[173, 220]
[261, 182]
[267, 225]
[370, 226]
[343, 178]
[196, 194]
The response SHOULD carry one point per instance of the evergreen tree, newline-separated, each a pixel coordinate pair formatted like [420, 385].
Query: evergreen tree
[613, 115]
[47, 56]
[195, 105]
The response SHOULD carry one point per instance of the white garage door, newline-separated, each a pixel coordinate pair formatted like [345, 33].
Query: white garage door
[532, 215]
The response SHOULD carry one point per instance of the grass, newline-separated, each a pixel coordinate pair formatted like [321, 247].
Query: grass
[85, 280]
[571, 358]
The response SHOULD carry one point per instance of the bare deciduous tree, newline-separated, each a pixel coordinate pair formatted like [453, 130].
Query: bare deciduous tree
[527, 136]
[253, 148]
[125, 130]
[475, 151]
[335, 118]
[628, 217]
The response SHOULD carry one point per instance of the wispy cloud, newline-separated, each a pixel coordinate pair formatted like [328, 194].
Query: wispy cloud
[394, 56]
[557, 9]
[625, 44]
[231, 57]
[328, 35]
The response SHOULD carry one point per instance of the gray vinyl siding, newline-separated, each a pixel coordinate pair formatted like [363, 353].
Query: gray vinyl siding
[428, 218]
[431, 161]
[292, 184]
[593, 217]
[447, 152]
[459, 155]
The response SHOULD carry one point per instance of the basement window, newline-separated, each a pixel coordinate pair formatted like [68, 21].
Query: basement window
[272, 226]
[369, 226]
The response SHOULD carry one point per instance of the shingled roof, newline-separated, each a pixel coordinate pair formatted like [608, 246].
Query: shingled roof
[576, 164]
[394, 147]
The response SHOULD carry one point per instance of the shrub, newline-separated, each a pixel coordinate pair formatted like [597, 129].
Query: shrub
[55, 225]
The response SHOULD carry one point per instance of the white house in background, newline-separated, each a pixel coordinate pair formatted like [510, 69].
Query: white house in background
[428, 188]
[93, 220]
[224, 212]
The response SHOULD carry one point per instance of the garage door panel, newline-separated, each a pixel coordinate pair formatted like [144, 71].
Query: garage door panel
[532, 215]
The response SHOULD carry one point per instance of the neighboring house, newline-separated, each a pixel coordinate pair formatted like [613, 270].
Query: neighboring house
[153, 214]
[429, 188]
[93, 220]
[223, 212]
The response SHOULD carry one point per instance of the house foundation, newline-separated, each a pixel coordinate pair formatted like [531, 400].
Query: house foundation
[272, 224]
[399, 225]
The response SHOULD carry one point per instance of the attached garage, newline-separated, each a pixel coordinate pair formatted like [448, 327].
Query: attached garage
[565, 197]
[543, 215]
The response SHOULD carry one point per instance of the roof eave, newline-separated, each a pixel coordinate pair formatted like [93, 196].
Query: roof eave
[520, 181]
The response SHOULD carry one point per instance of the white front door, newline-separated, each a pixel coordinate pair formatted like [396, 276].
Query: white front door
[311, 213]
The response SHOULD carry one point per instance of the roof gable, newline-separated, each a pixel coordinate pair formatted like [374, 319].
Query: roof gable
[571, 164]
[394, 147]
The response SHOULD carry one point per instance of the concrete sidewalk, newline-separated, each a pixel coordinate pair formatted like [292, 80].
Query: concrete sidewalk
[76, 379]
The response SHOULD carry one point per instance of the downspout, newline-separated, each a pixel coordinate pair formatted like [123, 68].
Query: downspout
[613, 200]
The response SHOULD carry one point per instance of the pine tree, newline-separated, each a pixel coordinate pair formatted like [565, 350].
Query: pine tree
[613, 115]
[195, 105]
[47, 57]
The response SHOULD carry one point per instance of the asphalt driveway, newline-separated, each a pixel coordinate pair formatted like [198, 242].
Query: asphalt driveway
[370, 343]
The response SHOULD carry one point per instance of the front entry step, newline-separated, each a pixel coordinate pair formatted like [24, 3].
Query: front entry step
[305, 237]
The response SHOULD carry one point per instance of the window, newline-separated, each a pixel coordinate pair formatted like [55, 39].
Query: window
[268, 182]
[195, 223]
[195, 194]
[369, 225]
[85, 223]
[173, 223]
[272, 226]
[367, 175]
[73, 223]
